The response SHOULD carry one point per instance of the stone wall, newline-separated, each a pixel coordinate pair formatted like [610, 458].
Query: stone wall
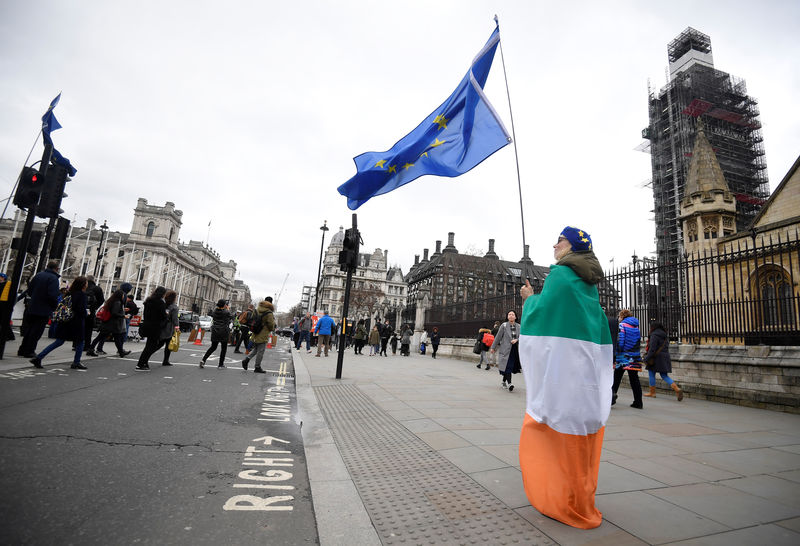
[760, 376]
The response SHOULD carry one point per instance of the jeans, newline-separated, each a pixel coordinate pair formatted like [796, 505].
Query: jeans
[58, 343]
[304, 335]
[664, 376]
[213, 348]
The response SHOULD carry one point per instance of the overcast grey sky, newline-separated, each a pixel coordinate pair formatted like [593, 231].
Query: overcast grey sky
[245, 111]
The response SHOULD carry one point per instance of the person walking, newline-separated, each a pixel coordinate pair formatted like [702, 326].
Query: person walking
[484, 345]
[386, 333]
[43, 293]
[94, 299]
[72, 329]
[263, 326]
[658, 361]
[566, 350]
[220, 331]
[324, 328]
[113, 326]
[172, 325]
[360, 338]
[305, 332]
[154, 317]
[374, 341]
[493, 356]
[505, 344]
[394, 342]
[423, 342]
[435, 338]
[405, 341]
[245, 320]
[131, 310]
[627, 357]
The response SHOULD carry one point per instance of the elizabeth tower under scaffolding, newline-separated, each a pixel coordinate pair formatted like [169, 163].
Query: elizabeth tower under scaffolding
[731, 119]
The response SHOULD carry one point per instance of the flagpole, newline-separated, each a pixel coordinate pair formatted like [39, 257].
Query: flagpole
[514, 137]
[208, 233]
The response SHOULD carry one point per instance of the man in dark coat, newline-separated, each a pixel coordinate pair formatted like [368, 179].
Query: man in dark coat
[43, 292]
[94, 299]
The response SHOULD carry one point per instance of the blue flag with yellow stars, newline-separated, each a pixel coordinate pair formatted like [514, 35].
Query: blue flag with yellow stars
[49, 121]
[453, 139]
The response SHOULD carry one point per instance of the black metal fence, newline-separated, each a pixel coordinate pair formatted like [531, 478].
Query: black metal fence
[746, 293]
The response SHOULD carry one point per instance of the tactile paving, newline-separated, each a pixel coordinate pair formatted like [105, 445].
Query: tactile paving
[412, 494]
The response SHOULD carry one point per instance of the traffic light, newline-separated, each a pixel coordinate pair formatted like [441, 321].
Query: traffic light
[52, 192]
[33, 242]
[348, 256]
[29, 187]
[59, 238]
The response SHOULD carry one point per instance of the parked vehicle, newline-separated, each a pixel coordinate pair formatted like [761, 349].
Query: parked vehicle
[205, 322]
[187, 320]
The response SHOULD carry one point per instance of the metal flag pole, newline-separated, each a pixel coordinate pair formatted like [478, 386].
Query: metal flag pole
[514, 137]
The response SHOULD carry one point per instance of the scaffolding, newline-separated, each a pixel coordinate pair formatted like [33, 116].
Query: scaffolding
[731, 119]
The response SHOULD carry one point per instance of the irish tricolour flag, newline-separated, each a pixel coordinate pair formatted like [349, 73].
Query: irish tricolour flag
[566, 353]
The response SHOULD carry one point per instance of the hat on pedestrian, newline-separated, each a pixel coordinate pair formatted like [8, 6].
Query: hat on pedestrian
[222, 303]
[579, 239]
[3, 276]
[126, 287]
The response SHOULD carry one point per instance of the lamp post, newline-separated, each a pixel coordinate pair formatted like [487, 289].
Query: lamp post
[324, 228]
[103, 230]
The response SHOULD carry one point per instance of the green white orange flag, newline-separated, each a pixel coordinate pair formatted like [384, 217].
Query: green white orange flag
[566, 354]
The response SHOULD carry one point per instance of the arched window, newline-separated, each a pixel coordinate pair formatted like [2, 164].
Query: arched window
[151, 227]
[775, 297]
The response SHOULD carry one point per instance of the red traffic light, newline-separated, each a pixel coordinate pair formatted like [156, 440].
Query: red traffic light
[34, 178]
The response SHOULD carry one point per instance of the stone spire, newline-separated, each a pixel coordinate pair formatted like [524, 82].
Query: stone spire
[705, 174]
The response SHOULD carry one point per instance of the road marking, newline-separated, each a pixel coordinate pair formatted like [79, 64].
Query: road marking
[253, 457]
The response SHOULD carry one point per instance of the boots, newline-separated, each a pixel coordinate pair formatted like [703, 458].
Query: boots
[652, 393]
[678, 391]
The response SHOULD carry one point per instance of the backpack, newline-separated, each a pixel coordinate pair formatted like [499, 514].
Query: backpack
[103, 314]
[488, 339]
[257, 324]
[63, 312]
[243, 317]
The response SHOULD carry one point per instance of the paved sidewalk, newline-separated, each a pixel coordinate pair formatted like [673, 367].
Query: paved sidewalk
[693, 472]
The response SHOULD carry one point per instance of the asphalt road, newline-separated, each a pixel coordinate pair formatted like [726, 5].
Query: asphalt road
[178, 455]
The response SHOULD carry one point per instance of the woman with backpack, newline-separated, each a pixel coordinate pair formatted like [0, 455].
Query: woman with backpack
[220, 331]
[112, 324]
[153, 319]
[70, 316]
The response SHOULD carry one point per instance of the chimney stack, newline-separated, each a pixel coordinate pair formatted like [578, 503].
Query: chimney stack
[451, 236]
[491, 254]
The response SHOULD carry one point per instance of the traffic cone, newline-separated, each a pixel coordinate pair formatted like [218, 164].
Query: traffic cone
[198, 340]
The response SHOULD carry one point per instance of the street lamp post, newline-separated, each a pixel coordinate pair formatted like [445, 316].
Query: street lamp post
[103, 230]
[324, 228]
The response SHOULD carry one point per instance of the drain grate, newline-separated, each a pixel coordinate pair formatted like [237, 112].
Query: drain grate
[412, 494]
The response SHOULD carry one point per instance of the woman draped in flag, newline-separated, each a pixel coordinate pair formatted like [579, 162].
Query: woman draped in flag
[566, 353]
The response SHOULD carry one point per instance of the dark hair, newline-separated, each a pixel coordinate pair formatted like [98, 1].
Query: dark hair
[516, 315]
[78, 284]
[655, 325]
[52, 264]
[158, 293]
[170, 297]
[117, 295]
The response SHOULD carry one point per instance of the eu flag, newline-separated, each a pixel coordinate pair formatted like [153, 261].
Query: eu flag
[453, 139]
[49, 121]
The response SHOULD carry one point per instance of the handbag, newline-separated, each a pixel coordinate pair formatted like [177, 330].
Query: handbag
[478, 347]
[652, 360]
[175, 341]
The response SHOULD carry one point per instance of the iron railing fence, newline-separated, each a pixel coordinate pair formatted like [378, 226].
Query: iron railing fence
[744, 294]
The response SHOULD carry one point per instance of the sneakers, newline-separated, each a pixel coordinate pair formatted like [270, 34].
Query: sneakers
[258, 370]
[142, 368]
[487, 367]
[90, 352]
[221, 366]
[202, 363]
[80, 367]
[37, 362]
[245, 362]
[505, 385]
[124, 353]
[510, 387]
[100, 352]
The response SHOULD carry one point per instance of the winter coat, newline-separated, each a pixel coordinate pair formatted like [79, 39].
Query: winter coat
[374, 337]
[406, 337]
[220, 325]
[361, 332]
[172, 321]
[44, 293]
[153, 317]
[94, 298]
[116, 323]
[325, 326]
[480, 338]
[502, 343]
[74, 329]
[266, 314]
[629, 338]
[662, 360]
[435, 337]
[387, 331]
